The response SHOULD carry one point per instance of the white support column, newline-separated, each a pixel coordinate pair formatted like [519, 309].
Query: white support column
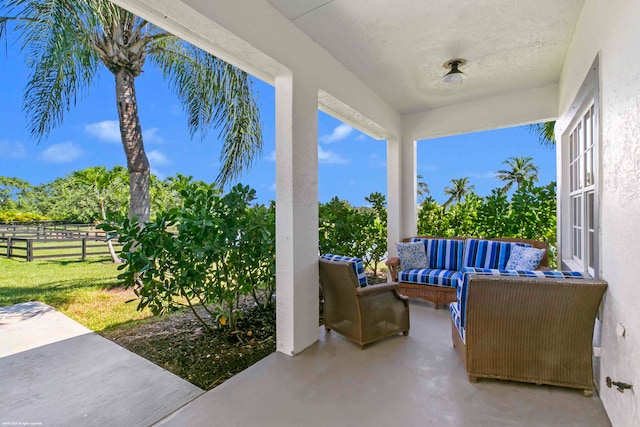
[296, 214]
[401, 191]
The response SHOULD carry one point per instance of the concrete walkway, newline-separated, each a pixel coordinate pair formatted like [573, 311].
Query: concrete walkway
[56, 372]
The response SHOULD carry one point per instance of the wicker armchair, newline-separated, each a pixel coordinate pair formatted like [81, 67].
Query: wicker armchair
[363, 314]
[530, 330]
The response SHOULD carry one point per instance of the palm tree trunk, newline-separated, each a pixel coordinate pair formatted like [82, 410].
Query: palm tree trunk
[131, 133]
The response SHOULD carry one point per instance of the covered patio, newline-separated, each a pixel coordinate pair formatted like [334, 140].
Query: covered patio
[377, 65]
[417, 380]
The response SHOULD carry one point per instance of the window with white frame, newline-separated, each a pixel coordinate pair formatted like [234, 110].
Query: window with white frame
[579, 196]
[582, 190]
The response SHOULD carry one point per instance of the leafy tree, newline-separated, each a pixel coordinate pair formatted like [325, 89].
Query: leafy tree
[349, 231]
[521, 169]
[545, 132]
[376, 232]
[67, 40]
[101, 182]
[10, 190]
[494, 215]
[209, 253]
[430, 218]
[459, 189]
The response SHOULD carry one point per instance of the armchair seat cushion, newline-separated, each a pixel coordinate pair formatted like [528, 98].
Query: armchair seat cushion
[430, 276]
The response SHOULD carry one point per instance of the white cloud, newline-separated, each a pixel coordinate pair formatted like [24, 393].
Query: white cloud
[157, 158]
[271, 157]
[12, 150]
[64, 152]
[273, 187]
[481, 175]
[339, 133]
[151, 135]
[107, 130]
[329, 157]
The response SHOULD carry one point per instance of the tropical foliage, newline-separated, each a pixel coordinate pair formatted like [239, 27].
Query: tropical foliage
[210, 253]
[459, 189]
[520, 169]
[87, 196]
[545, 132]
[531, 214]
[69, 41]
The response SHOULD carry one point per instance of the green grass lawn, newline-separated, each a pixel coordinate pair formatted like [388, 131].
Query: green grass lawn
[87, 291]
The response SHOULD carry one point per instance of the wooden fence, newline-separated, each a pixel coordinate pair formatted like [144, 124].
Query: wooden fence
[31, 249]
[49, 230]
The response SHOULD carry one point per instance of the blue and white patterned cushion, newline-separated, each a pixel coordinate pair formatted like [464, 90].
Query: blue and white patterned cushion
[488, 253]
[428, 276]
[522, 258]
[454, 309]
[356, 263]
[467, 272]
[443, 254]
[412, 255]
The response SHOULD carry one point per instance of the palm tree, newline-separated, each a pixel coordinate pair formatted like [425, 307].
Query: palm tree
[459, 189]
[546, 133]
[423, 189]
[521, 169]
[67, 41]
[100, 181]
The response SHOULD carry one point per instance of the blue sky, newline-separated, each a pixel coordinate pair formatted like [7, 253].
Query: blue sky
[351, 164]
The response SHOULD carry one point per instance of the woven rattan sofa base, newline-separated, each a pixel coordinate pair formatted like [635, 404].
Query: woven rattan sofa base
[530, 330]
[435, 294]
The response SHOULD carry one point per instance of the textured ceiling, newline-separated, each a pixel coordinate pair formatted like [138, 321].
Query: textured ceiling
[398, 47]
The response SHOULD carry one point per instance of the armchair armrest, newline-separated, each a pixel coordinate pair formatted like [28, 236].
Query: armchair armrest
[393, 264]
[383, 287]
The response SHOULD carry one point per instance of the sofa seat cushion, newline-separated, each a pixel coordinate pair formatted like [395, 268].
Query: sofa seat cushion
[488, 253]
[454, 309]
[468, 272]
[430, 276]
[443, 254]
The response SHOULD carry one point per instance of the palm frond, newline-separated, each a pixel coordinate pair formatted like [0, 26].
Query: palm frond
[63, 65]
[213, 93]
[545, 132]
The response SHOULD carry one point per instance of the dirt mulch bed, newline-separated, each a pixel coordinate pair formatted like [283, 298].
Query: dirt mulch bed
[179, 344]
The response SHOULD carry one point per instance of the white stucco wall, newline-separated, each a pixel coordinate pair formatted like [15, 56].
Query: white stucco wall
[611, 30]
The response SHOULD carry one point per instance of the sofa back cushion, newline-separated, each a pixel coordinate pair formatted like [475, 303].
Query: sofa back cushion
[488, 253]
[443, 254]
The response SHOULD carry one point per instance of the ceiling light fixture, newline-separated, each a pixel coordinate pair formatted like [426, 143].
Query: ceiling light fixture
[454, 75]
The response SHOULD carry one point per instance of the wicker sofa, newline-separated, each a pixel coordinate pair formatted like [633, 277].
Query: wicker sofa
[437, 284]
[527, 326]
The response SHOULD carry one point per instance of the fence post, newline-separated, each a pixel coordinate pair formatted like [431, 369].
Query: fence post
[9, 251]
[29, 250]
[84, 248]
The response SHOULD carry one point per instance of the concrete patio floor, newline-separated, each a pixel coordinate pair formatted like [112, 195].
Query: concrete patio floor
[56, 372]
[417, 380]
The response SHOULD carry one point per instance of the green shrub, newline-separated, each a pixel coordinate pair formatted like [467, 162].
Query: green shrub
[211, 252]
